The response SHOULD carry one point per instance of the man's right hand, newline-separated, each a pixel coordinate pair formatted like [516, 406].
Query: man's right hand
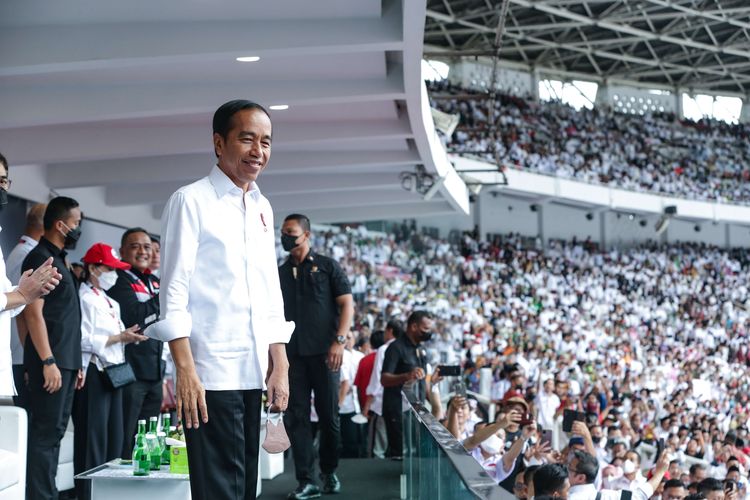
[416, 374]
[131, 335]
[52, 378]
[191, 399]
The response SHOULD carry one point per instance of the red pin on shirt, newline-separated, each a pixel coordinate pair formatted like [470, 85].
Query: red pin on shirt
[263, 220]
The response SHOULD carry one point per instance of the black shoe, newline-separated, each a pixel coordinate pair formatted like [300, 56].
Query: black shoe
[305, 491]
[331, 483]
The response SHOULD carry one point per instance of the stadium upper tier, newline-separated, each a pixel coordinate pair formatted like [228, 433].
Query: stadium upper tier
[708, 160]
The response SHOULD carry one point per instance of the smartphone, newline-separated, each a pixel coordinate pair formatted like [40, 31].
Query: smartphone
[450, 370]
[659, 448]
[460, 389]
[570, 416]
[547, 437]
[526, 420]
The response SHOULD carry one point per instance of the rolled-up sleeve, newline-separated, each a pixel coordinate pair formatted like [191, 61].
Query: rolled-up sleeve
[180, 239]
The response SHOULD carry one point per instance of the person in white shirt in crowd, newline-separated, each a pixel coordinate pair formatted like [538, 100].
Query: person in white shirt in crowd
[352, 434]
[373, 409]
[32, 232]
[632, 477]
[547, 404]
[98, 406]
[221, 307]
[31, 286]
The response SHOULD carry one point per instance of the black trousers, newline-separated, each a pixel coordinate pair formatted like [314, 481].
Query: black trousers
[22, 399]
[140, 400]
[306, 374]
[223, 453]
[97, 417]
[353, 437]
[49, 419]
[394, 428]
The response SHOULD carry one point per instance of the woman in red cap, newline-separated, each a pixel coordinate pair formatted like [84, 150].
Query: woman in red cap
[98, 406]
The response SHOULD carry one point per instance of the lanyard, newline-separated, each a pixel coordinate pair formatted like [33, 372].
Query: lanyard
[111, 307]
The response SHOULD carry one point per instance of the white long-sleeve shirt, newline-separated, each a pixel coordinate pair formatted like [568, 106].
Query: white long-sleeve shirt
[220, 282]
[13, 269]
[375, 388]
[7, 388]
[100, 319]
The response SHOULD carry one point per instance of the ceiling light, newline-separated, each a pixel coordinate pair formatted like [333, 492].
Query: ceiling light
[279, 107]
[248, 59]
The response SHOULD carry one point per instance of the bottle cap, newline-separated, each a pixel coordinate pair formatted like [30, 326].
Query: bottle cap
[141, 421]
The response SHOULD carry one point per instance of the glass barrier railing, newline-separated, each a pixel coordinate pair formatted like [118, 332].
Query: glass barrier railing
[436, 465]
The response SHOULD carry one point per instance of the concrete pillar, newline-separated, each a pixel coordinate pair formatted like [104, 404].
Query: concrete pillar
[602, 96]
[534, 77]
[603, 227]
[745, 113]
[678, 103]
[727, 236]
[540, 224]
[485, 382]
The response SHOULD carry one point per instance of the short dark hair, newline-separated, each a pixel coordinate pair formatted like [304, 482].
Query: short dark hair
[673, 483]
[3, 161]
[548, 479]
[155, 239]
[130, 231]
[416, 318]
[396, 327]
[710, 484]
[696, 467]
[528, 474]
[587, 465]
[58, 208]
[733, 468]
[222, 122]
[302, 220]
[377, 339]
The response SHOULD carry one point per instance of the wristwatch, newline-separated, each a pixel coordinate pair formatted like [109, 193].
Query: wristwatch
[49, 361]
[341, 339]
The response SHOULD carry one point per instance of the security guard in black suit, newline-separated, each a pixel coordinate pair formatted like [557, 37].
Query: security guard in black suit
[318, 298]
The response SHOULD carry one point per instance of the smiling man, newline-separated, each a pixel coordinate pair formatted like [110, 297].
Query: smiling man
[137, 292]
[222, 308]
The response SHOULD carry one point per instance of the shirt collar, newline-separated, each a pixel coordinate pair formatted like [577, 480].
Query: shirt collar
[223, 184]
[52, 247]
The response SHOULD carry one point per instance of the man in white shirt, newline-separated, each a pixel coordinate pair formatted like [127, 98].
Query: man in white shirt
[32, 232]
[352, 434]
[221, 306]
[377, 436]
[583, 469]
[547, 404]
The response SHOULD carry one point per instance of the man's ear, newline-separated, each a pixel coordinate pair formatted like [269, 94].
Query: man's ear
[218, 145]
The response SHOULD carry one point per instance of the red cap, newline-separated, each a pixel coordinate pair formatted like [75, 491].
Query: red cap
[101, 253]
[512, 397]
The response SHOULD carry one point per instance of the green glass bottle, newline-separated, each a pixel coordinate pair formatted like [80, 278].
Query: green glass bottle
[152, 440]
[141, 457]
[165, 421]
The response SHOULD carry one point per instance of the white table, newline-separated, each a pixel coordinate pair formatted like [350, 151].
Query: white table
[112, 481]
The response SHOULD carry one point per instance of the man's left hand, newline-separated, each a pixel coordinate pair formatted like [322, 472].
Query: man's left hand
[278, 389]
[335, 355]
[80, 379]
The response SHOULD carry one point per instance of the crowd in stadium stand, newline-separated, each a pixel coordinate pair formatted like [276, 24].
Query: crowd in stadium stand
[656, 152]
[649, 344]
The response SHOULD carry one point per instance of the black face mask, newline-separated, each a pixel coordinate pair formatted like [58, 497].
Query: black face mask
[3, 198]
[71, 239]
[289, 242]
[425, 336]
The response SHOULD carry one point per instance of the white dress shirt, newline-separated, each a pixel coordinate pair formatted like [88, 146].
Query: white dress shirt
[220, 282]
[7, 388]
[349, 365]
[375, 388]
[588, 492]
[100, 319]
[13, 270]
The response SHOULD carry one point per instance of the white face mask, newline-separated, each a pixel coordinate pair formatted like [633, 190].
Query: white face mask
[492, 445]
[628, 467]
[107, 279]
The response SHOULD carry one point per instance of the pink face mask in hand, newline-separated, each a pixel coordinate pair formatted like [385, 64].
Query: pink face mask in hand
[276, 440]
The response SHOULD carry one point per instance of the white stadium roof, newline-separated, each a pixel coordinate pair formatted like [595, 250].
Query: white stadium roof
[111, 103]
